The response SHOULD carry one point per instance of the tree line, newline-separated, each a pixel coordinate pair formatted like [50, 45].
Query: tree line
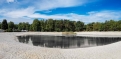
[64, 25]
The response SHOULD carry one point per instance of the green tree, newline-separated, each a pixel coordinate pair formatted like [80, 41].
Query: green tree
[30, 28]
[66, 25]
[42, 25]
[119, 25]
[110, 25]
[23, 26]
[16, 26]
[102, 27]
[72, 25]
[27, 25]
[4, 24]
[0, 25]
[97, 26]
[57, 26]
[79, 26]
[10, 26]
[49, 25]
[20, 27]
[89, 26]
[16, 29]
[36, 25]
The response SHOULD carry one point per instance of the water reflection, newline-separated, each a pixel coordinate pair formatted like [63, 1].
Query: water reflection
[66, 41]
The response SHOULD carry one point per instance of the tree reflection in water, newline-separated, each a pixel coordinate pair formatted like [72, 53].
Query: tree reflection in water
[66, 41]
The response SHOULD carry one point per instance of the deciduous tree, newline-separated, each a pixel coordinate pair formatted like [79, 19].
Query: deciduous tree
[4, 24]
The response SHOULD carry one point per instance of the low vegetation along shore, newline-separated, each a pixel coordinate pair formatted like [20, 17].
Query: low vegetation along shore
[10, 48]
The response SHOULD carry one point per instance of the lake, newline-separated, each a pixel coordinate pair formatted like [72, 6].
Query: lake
[66, 42]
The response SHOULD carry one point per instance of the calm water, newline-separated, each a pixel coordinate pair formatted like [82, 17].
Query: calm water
[66, 41]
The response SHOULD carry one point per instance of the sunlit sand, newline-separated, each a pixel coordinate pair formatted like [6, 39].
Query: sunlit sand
[11, 49]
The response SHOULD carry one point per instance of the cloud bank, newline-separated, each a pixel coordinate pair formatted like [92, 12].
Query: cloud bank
[24, 11]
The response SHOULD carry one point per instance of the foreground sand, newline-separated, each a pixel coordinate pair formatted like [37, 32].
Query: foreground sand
[11, 49]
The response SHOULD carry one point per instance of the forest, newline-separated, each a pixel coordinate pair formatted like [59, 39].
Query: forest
[64, 25]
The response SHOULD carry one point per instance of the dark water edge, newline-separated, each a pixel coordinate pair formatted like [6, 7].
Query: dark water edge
[66, 42]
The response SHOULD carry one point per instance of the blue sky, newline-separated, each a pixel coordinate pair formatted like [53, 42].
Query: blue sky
[77, 10]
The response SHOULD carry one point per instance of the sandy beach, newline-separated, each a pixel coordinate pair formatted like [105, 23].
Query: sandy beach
[11, 49]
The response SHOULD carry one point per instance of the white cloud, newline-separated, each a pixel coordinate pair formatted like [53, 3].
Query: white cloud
[42, 4]
[36, 15]
[26, 8]
[26, 13]
[10, 1]
[90, 17]
[98, 16]
[17, 20]
[17, 13]
[52, 4]
[94, 16]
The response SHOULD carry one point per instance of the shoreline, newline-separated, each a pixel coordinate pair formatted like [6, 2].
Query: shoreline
[11, 49]
[85, 34]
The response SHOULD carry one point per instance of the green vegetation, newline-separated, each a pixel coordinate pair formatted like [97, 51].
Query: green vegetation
[4, 25]
[62, 25]
[36, 25]
[68, 33]
[10, 26]
[0, 25]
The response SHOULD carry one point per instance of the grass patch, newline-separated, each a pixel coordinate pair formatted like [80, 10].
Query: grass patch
[68, 33]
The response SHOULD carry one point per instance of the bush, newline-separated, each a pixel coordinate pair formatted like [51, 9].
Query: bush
[9, 30]
[68, 33]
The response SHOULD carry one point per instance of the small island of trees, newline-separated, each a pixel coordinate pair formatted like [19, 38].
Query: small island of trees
[64, 25]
